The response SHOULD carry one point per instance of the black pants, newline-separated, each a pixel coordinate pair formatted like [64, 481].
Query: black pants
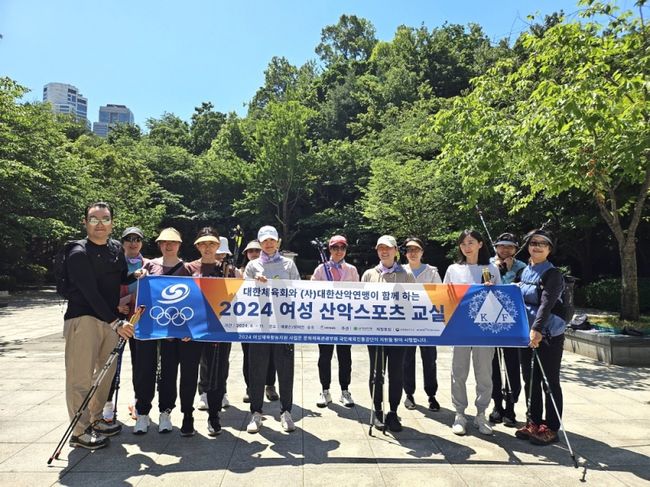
[172, 354]
[429, 356]
[513, 369]
[132, 347]
[344, 355]
[144, 375]
[550, 354]
[204, 371]
[258, 365]
[270, 371]
[217, 356]
[379, 356]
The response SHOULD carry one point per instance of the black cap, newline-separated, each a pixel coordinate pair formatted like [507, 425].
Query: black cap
[507, 239]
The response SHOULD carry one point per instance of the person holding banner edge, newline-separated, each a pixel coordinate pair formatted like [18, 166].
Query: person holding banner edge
[541, 286]
[423, 273]
[270, 265]
[390, 271]
[510, 268]
[339, 270]
[473, 267]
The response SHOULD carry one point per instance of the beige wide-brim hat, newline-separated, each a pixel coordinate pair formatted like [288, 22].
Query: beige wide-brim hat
[207, 238]
[169, 235]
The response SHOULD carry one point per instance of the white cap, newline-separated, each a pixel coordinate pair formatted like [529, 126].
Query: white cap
[223, 246]
[387, 240]
[267, 231]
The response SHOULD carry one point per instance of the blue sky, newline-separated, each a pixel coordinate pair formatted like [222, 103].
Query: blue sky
[156, 56]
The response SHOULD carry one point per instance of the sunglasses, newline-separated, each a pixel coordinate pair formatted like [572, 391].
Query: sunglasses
[537, 243]
[413, 250]
[132, 239]
[338, 248]
[93, 220]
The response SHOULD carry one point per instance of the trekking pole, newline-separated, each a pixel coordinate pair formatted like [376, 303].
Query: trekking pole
[530, 387]
[384, 386]
[323, 258]
[507, 390]
[374, 391]
[116, 383]
[480, 214]
[100, 377]
[550, 393]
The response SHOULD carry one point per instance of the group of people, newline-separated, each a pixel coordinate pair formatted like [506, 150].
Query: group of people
[101, 277]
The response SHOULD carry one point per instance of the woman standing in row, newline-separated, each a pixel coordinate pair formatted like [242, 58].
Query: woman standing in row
[339, 270]
[473, 267]
[390, 271]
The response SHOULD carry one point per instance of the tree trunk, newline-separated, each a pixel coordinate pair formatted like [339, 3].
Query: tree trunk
[629, 284]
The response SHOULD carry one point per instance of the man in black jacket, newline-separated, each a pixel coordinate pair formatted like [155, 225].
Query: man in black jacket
[95, 268]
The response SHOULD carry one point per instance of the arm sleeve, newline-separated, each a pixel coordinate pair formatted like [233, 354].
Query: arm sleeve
[293, 272]
[496, 273]
[249, 272]
[553, 282]
[436, 277]
[318, 274]
[355, 274]
[81, 275]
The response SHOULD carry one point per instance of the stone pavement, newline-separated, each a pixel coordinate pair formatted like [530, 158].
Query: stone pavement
[606, 412]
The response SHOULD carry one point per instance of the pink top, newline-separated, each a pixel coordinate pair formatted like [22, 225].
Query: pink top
[347, 272]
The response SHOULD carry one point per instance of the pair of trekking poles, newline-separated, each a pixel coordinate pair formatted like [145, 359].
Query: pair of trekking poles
[115, 353]
[534, 358]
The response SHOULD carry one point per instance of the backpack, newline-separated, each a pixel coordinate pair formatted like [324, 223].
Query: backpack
[564, 307]
[60, 267]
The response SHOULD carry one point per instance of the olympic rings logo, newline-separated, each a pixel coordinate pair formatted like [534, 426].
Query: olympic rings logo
[174, 293]
[171, 315]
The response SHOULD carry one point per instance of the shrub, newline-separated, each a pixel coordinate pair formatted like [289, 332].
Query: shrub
[7, 283]
[32, 274]
[606, 295]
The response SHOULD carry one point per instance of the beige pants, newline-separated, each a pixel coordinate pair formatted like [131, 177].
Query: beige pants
[88, 343]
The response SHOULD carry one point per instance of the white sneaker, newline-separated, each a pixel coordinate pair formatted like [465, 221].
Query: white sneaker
[255, 424]
[287, 421]
[165, 422]
[346, 399]
[482, 424]
[324, 399]
[203, 402]
[225, 403]
[107, 413]
[458, 428]
[141, 424]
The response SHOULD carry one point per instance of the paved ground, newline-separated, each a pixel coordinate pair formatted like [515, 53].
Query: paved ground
[606, 412]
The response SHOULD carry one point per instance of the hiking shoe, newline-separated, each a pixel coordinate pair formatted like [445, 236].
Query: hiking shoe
[346, 399]
[271, 394]
[324, 399]
[496, 416]
[544, 436]
[108, 411]
[482, 424]
[187, 428]
[141, 424]
[90, 439]
[458, 428]
[392, 422]
[409, 402]
[214, 427]
[246, 398]
[378, 420]
[203, 402]
[509, 417]
[433, 404]
[525, 432]
[165, 422]
[255, 423]
[105, 428]
[225, 403]
[287, 422]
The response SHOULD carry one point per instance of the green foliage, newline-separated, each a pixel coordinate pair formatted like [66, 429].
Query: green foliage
[606, 295]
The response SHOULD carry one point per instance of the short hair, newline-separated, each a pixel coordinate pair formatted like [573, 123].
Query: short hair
[483, 252]
[99, 204]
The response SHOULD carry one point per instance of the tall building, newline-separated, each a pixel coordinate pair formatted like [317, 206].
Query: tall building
[110, 115]
[66, 98]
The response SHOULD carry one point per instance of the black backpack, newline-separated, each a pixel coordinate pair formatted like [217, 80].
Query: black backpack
[564, 307]
[60, 267]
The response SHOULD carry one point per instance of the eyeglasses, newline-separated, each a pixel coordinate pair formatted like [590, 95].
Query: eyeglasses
[413, 250]
[132, 239]
[93, 220]
[338, 248]
[253, 251]
[537, 243]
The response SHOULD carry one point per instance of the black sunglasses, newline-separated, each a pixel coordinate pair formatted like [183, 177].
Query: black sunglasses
[132, 239]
